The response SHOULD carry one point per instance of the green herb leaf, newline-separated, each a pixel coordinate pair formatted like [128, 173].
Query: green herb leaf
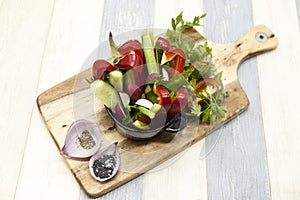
[198, 66]
[195, 110]
[185, 24]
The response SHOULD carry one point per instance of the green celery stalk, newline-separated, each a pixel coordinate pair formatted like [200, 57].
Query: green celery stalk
[147, 45]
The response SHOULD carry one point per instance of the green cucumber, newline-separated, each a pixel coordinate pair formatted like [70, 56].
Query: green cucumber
[115, 78]
[141, 125]
[155, 108]
[147, 112]
[106, 93]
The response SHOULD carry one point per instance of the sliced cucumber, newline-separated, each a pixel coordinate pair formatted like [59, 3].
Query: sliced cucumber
[107, 94]
[115, 78]
[155, 108]
[141, 125]
[147, 112]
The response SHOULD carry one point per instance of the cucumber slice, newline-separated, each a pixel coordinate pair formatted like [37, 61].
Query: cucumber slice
[155, 108]
[115, 78]
[147, 112]
[107, 94]
[141, 125]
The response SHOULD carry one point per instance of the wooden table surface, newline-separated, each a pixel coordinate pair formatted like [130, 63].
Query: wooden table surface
[256, 156]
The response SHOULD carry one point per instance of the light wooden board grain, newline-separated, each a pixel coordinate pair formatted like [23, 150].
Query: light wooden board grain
[74, 31]
[118, 18]
[174, 175]
[57, 108]
[22, 39]
[237, 166]
[279, 80]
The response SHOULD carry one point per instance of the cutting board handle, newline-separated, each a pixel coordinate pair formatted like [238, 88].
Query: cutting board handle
[257, 40]
[227, 57]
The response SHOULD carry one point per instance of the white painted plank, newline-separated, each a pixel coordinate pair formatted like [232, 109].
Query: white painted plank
[122, 19]
[237, 167]
[74, 32]
[1, 1]
[298, 10]
[166, 10]
[279, 81]
[183, 177]
[24, 26]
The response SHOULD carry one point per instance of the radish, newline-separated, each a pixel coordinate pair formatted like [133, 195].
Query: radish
[144, 118]
[120, 112]
[134, 91]
[145, 103]
[152, 76]
[125, 98]
[160, 117]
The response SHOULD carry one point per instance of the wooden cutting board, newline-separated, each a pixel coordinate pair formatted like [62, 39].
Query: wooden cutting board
[73, 99]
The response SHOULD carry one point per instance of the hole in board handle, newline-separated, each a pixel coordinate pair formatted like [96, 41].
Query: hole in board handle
[261, 37]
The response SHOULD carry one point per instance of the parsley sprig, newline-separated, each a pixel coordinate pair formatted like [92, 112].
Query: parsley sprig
[199, 65]
[178, 24]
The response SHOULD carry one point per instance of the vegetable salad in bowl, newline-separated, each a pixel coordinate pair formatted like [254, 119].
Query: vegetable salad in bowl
[153, 84]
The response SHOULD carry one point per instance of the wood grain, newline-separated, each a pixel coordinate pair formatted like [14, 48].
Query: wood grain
[22, 37]
[74, 31]
[237, 166]
[279, 110]
[138, 157]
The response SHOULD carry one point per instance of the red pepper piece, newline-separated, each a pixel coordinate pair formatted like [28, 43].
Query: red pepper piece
[129, 61]
[202, 84]
[139, 71]
[99, 67]
[134, 62]
[164, 97]
[179, 102]
[130, 55]
[178, 60]
[131, 45]
[163, 43]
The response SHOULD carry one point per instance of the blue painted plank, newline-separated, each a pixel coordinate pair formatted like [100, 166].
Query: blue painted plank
[119, 17]
[237, 166]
